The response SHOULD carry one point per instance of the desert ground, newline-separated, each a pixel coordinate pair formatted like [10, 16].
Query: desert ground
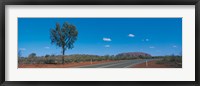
[152, 64]
[139, 63]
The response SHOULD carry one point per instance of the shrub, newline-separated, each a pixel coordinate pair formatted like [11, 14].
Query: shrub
[174, 61]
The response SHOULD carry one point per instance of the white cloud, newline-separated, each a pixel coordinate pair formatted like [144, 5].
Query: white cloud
[107, 39]
[22, 49]
[151, 47]
[174, 46]
[131, 35]
[46, 47]
[107, 46]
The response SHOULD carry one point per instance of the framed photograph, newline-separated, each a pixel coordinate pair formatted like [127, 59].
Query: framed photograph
[101, 42]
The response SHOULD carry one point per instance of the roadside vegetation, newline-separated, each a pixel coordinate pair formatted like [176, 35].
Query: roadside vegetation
[76, 58]
[173, 61]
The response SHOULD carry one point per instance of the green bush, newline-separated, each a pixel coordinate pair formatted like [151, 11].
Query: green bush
[175, 61]
[53, 59]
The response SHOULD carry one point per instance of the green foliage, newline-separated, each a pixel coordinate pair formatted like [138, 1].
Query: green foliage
[19, 57]
[47, 55]
[76, 58]
[64, 36]
[32, 55]
[175, 61]
[52, 55]
[53, 60]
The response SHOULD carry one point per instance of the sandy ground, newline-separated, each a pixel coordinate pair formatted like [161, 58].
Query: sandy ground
[70, 65]
[151, 64]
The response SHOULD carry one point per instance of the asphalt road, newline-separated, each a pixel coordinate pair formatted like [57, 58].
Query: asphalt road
[118, 64]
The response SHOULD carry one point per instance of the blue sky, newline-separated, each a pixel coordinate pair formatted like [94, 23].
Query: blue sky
[102, 36]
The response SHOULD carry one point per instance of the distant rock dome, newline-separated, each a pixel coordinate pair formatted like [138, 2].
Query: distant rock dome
[134, 54]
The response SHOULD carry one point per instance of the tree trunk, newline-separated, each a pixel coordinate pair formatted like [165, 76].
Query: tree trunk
[63, 60]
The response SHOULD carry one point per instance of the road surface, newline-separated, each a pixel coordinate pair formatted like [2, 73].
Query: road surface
[118, 64]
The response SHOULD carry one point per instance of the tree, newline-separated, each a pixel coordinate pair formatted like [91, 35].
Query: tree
[47, 55]
[53, 55]
[32, 55]
[64, 37]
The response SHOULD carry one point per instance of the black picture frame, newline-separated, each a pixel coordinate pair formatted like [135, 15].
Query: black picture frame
[99, 2]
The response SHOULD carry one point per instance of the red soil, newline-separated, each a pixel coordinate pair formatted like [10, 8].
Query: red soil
[152, 64]
[69, 65]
